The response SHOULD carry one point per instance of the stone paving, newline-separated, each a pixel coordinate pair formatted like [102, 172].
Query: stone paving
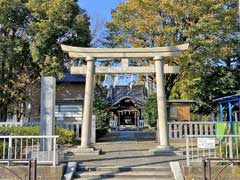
[126, 149]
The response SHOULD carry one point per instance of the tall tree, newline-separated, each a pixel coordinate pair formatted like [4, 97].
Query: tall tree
[211, 27]
[30, 36]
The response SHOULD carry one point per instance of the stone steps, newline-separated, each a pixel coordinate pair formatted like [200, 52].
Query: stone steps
[115, 173]
[123, 169]
[200, 177]
[125, 178]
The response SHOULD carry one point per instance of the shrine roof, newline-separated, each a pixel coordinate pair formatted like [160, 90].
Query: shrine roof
[119, 93]
[72, 78]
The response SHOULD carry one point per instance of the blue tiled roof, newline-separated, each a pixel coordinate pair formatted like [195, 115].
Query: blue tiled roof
[119, 93]
[72, 78]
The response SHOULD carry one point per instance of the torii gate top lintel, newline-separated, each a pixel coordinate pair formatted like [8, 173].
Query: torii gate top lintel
[77, 52]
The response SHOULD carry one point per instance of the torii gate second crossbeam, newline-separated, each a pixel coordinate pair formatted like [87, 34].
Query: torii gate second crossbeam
[90, 55]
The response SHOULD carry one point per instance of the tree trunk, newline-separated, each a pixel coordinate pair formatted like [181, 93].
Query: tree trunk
[3, 113]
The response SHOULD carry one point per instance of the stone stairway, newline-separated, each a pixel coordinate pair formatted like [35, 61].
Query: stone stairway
[124, 173]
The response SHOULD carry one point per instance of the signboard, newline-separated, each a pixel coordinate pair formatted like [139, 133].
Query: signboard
[206, 143]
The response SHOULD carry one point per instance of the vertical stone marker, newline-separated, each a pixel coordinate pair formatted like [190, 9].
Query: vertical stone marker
[93, 131]
[47, 117]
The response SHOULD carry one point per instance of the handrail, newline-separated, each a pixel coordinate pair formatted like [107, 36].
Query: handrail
[29, 136]
[15, 148]
[208, 160]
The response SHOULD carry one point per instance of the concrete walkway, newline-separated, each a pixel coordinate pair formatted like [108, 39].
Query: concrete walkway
[126, 149]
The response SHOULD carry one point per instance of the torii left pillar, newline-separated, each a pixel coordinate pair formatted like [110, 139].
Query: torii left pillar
[87, 110]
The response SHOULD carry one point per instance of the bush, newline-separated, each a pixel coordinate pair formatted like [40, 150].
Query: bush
[100, 110]
[150, 111]
[101, 132]
[65, 136]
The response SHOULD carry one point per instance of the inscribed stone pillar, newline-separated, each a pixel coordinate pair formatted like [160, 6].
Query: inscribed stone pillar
[161, 100]
[88, 98]
[47, 117]
[93, 131]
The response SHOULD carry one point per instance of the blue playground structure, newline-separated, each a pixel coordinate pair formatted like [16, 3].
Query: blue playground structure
[229, 115]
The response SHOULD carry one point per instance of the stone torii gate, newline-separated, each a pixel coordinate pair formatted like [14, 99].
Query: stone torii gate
[157, 53]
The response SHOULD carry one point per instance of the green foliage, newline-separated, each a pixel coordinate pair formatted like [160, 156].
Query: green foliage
[2, 148]
[214, 82]
[150, 111]
[30, 36]
[20, 131]
[200, 117]
[100, 110]
[65, 136]
[221, 150]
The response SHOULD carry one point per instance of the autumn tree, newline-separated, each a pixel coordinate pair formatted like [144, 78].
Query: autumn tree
[30, 36]
[211, 27]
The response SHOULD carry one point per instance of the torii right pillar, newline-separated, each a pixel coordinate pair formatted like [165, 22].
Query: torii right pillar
[162, 129]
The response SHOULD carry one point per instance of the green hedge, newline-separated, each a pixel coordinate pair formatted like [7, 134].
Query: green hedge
[65, 136]
[101, 132]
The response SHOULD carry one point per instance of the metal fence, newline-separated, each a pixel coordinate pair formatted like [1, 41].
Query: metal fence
[176, 129]
[16, 148]
[211, 146]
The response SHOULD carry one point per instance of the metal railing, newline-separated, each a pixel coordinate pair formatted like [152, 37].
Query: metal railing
[182, 129]
[207, 168]
[141, 123]
[19, 148]
[176, 129]
[32, 170]
[114, 124]
[211, 146]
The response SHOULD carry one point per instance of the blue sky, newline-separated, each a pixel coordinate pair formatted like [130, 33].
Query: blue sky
[100, 9]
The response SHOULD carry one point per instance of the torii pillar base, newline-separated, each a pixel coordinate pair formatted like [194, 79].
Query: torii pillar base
[88, 151]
